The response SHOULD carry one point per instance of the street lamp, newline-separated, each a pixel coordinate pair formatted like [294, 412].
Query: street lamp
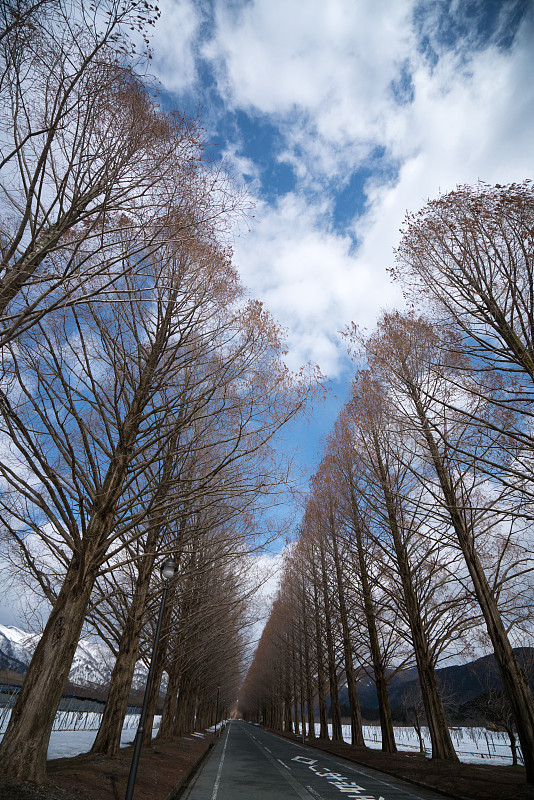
[217, 707]
[167, 570]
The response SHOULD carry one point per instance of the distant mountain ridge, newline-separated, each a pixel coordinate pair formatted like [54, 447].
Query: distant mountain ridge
[91, 666]
[459, 684]
[14, 649]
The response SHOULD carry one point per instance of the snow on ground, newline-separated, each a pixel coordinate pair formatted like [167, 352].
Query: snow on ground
[64, 744]
[74, 733]
[67, 743]
[473, 745]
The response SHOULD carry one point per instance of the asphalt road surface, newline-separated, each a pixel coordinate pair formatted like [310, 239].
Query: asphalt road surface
[251, 764]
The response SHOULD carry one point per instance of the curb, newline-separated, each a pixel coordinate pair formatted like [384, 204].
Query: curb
[184, 780]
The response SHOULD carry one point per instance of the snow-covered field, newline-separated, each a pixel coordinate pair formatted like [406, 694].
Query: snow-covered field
[473, 745]
[75, 740]
[74, 733]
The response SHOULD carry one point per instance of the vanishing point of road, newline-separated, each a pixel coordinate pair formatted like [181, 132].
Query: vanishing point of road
[250, 764]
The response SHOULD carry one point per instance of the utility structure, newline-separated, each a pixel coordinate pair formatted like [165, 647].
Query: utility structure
[168, 570]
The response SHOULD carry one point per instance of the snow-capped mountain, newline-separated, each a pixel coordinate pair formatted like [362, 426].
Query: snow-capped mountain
[91, 665]
[14, 653]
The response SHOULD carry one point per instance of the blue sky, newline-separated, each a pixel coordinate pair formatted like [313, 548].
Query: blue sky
[339, 116]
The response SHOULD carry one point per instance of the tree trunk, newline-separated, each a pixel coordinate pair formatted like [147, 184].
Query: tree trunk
[309, 685]
[170, 706]
[205, 712]
[25, 743]
[384, 710]
[513, 677]
[442, 746]
[158, 672]
[182, 713]
[109, 733]
[173, 696]
[323, 722]
[307, 665]
[354, 702]
[288, 702]
[513, 747]
[417, 726]
[302, 681]
[23, 748]
[337, 733]
[384, 707]
[295, 690]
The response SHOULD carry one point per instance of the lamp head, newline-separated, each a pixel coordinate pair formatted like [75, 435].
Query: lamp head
[168, 569]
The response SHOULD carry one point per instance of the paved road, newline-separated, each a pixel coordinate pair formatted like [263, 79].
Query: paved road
[251, 764]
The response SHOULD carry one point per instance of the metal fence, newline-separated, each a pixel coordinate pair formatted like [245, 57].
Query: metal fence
[73, 714]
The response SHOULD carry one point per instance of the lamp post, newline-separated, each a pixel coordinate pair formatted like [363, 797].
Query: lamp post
[217, 707]
[167, 570]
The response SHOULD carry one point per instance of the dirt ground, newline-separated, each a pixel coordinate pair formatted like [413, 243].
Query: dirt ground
[161, 768]
[468, 781]
[164, 765]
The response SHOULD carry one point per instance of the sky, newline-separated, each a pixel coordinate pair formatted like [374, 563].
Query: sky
[339, 117]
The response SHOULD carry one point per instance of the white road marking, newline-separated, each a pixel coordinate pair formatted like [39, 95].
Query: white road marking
[363, 772]
[386, 783]
[299, 789]
[284, 765]
[218, 778]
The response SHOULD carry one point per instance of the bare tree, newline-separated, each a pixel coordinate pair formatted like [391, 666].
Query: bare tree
[88, 160]
[391, 483]
[414, 710]
[471, 251]
[326, 502]
[81, 512]
[207, 636]
[96, 391]
[469, 254]
[363, 562]
[413, 351]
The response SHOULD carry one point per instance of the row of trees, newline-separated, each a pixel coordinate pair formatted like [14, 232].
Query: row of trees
[140, 389]
[416, 540]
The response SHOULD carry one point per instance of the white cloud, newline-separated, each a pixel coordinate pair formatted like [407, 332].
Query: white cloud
[326, 79]
[272, 57]
[460, 129]
[325, 74]
[309, 279]
[173, 42]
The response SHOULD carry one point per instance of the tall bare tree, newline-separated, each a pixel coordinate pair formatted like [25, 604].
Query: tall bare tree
[414, 352]
[326, 502]
[400, 524]
[87, 157]
[95, 392]
[363, 563]
[469, 254]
